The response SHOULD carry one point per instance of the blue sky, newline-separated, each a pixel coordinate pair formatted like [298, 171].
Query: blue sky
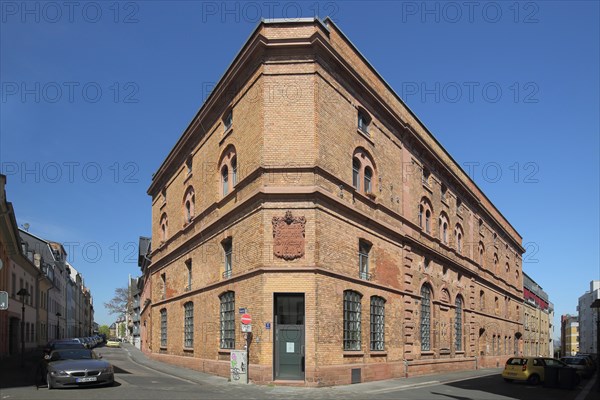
[94, 95]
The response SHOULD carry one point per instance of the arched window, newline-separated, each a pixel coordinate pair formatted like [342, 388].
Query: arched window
[481, 254]
[234, 171]
[459, 236]
[164, 228]
[496, 263]
[425, 213]
[458, 324]
[481, 300]
[368, 177]
[225, 179]
[228, 170]
[356, 173]
[352, 319]
[189, 201]
[377, 323]
[507, 268]
[363, 169]
[443, 228]
[425, 318]
[227, 320]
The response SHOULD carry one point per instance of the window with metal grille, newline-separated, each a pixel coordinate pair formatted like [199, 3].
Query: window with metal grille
[458, 323]
[234, 176]
[163, 327]
[425, 318]
[352, 333]
[188, 325]
[377, 323]
[227, 320]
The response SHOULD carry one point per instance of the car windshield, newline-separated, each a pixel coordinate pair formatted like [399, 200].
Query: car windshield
[72, 354]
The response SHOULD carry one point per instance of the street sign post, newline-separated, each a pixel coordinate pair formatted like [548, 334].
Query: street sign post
[246, 319]
[246, 328]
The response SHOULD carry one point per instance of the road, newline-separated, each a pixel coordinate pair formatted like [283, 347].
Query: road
[140, 378]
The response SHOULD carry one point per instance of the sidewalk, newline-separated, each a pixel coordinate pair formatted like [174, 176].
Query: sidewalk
[391, 384]
[202, 378]
[12, 374]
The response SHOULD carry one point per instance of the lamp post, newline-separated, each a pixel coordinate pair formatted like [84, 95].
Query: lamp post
[58, 315]
[23, 293]
[596, 305]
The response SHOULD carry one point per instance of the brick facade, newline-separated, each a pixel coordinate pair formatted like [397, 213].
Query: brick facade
[296, 91]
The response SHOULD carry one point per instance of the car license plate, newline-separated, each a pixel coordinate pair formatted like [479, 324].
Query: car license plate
[88, 379]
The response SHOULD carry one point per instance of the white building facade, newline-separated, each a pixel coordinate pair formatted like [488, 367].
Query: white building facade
[588, 318]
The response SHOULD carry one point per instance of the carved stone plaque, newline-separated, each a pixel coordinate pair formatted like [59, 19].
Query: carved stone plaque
[288, 236]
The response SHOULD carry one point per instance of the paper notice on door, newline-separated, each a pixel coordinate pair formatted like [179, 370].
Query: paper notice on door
[289, 348]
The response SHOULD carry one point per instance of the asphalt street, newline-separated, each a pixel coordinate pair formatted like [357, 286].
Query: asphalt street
[138, 377]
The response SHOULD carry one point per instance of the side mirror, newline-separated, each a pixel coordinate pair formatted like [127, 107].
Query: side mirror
[47, 357]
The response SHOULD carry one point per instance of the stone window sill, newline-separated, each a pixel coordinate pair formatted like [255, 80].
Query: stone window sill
[226, 134]
[381, 353]
[188, 349]
[350, 353]
[366, 136]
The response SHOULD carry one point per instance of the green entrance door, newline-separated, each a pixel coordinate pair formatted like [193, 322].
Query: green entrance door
[289, 336]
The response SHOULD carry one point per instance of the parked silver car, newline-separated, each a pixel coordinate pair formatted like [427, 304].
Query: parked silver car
[77, 367]
[583, 365]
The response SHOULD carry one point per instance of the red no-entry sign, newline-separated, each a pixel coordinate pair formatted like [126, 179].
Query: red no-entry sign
[246, 319]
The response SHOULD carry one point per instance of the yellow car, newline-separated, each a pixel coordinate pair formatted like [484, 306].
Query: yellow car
[529, 369]
[113, 343]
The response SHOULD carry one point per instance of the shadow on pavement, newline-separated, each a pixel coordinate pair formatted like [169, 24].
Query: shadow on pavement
[494, 384]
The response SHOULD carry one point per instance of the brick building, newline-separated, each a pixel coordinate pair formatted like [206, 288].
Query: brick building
[306, 191]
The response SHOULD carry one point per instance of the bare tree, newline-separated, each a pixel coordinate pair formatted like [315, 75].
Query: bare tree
[120, 304]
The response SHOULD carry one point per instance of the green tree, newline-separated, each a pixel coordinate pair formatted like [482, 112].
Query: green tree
[104, 329]
[122, 330]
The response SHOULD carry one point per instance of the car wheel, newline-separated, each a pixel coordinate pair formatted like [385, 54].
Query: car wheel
[533, 379]
[507, 380]
[49, 381]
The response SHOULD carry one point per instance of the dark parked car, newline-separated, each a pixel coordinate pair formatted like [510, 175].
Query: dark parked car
[77, 367]
[62, 344]
[583, 365]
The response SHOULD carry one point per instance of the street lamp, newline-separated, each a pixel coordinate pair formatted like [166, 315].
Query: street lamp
[58, 315]
[23, 293]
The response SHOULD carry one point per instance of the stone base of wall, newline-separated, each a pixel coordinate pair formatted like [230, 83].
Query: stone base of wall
[339, 374]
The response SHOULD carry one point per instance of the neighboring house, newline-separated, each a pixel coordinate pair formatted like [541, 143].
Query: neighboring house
[20, 278]
[360, 247]
[145, 289]
[537, 335]
[588, 319]
[569, 335]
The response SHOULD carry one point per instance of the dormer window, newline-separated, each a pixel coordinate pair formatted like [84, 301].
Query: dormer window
[363, 121]
[228, 120]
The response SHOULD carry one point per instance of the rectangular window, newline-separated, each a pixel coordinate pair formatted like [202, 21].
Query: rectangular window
[188, 165]
[352, 320]
[228, 320]
[227, 252]
[163, 327]
[188, 328]
[425, 318]
[363, 122]
[163, 278]
[228, 120]
[377, 323]
[364, 248]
